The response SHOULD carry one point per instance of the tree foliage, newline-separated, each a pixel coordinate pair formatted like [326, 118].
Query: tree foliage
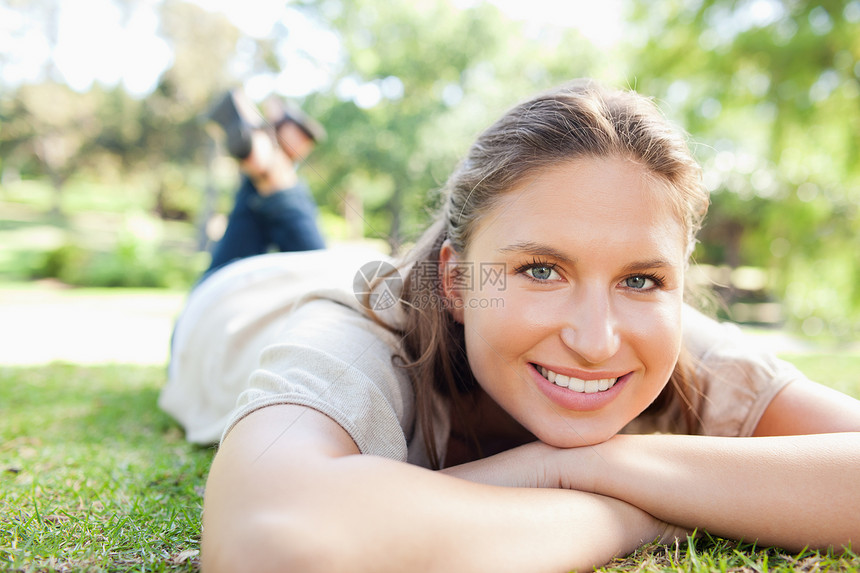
[772, 92]
[768, 89]
[49, 129]
[417, 82]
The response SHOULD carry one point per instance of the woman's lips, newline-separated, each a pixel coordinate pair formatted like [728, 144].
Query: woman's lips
[577, 384]
[575, 393]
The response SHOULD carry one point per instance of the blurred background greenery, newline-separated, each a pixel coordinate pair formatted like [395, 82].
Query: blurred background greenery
[108, 176]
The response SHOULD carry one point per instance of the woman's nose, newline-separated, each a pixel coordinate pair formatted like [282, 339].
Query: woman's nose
[590, 329]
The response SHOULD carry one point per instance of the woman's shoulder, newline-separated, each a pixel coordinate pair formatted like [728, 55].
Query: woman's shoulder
[329, 355]
[736, 375]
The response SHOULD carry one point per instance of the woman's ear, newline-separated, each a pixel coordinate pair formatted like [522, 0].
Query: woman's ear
[449, 271]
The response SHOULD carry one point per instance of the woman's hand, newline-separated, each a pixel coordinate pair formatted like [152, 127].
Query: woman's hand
[538, 465]
[535, 465]
[530, 465]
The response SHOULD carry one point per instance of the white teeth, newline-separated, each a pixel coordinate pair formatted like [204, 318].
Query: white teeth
[550, 375]
[576, 384]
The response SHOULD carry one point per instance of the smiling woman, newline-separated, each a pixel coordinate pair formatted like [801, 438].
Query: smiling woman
[588, 303]
[557, 417]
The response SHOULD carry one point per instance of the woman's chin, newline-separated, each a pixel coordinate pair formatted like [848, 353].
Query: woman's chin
[572, 439]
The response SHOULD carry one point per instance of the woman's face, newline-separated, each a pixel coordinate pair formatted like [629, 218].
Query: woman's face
[571, 299]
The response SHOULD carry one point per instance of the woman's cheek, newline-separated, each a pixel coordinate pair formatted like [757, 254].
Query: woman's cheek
[657, 330]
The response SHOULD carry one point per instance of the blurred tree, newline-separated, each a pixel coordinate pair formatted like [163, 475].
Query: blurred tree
[773, 91]
[173, 140]
[417, 82]
[203, 44]
[24, 125]
[52, 130]
[57, 125]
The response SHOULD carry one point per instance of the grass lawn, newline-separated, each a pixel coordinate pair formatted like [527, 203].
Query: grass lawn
[95, 478]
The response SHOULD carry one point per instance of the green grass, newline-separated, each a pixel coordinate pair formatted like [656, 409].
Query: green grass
[705, 553]
[94, 477]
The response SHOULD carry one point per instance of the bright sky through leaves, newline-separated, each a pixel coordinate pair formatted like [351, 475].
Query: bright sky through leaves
[96, 42]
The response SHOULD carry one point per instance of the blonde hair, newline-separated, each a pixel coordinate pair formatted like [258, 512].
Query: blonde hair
[579, 119]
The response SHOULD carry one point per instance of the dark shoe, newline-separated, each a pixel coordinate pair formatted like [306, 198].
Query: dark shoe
[236, 125]
[279, 112]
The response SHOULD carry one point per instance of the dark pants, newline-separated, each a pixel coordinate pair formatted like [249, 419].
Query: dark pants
[283, 221]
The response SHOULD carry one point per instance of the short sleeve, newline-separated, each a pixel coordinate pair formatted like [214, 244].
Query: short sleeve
[333, 359]
[734, 378]
[737, 378]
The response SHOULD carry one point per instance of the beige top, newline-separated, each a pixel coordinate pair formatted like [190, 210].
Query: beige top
[287, 329]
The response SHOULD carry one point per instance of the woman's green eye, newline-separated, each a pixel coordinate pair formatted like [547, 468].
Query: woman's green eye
[636, 282]
[541, 273]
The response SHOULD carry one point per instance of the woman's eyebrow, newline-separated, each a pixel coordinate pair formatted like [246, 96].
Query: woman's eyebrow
[536, 249]
[638, 266]
[541, 250]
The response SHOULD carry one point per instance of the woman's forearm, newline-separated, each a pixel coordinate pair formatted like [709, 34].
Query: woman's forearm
[301, 503]
[791, 491]
[427, 521]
